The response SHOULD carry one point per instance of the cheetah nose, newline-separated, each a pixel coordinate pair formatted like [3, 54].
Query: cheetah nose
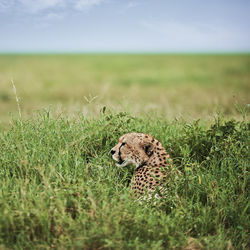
[112, 151]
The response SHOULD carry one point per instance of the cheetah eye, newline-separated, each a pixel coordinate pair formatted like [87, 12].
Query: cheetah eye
[123, 143]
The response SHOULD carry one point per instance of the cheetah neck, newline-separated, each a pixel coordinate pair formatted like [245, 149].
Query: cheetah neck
[159, 158]
[141, 166]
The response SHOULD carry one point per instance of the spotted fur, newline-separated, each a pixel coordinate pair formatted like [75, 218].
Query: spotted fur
[150, 158]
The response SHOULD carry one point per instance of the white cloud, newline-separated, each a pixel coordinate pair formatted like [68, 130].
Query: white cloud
[6, 4]
[86, 4]
[53, 16]
[133, 5]
[128, 6]
[37, 5]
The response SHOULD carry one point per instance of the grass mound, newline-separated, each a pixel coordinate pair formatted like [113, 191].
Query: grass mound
[60, 188]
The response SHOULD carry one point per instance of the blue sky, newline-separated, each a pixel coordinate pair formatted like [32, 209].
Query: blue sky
[124, 26]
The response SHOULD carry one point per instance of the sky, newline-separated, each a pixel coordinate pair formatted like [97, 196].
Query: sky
[124, 26]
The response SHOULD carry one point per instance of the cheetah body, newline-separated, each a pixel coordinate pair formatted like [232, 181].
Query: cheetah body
[149, 157]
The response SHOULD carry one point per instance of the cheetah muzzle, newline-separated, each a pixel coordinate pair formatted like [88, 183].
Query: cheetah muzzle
[150, 158]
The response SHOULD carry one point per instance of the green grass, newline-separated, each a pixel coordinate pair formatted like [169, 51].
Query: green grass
[61, 189]
[190, 86]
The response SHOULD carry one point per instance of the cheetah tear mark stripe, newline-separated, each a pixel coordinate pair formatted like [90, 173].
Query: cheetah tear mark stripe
[119, 154]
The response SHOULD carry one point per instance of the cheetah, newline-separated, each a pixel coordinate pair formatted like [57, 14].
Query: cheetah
[152, 162]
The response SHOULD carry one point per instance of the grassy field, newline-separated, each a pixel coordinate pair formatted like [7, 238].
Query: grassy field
[191, 86]
[59, 187]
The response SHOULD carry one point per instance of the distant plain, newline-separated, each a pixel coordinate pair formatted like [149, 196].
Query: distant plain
[188, 86]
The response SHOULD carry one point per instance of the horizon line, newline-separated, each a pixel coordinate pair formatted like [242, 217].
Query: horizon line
[121, 52]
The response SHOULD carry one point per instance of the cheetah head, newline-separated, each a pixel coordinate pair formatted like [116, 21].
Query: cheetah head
[133, 148]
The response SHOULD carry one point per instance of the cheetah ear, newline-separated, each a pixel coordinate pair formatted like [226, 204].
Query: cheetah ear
[149, 149]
